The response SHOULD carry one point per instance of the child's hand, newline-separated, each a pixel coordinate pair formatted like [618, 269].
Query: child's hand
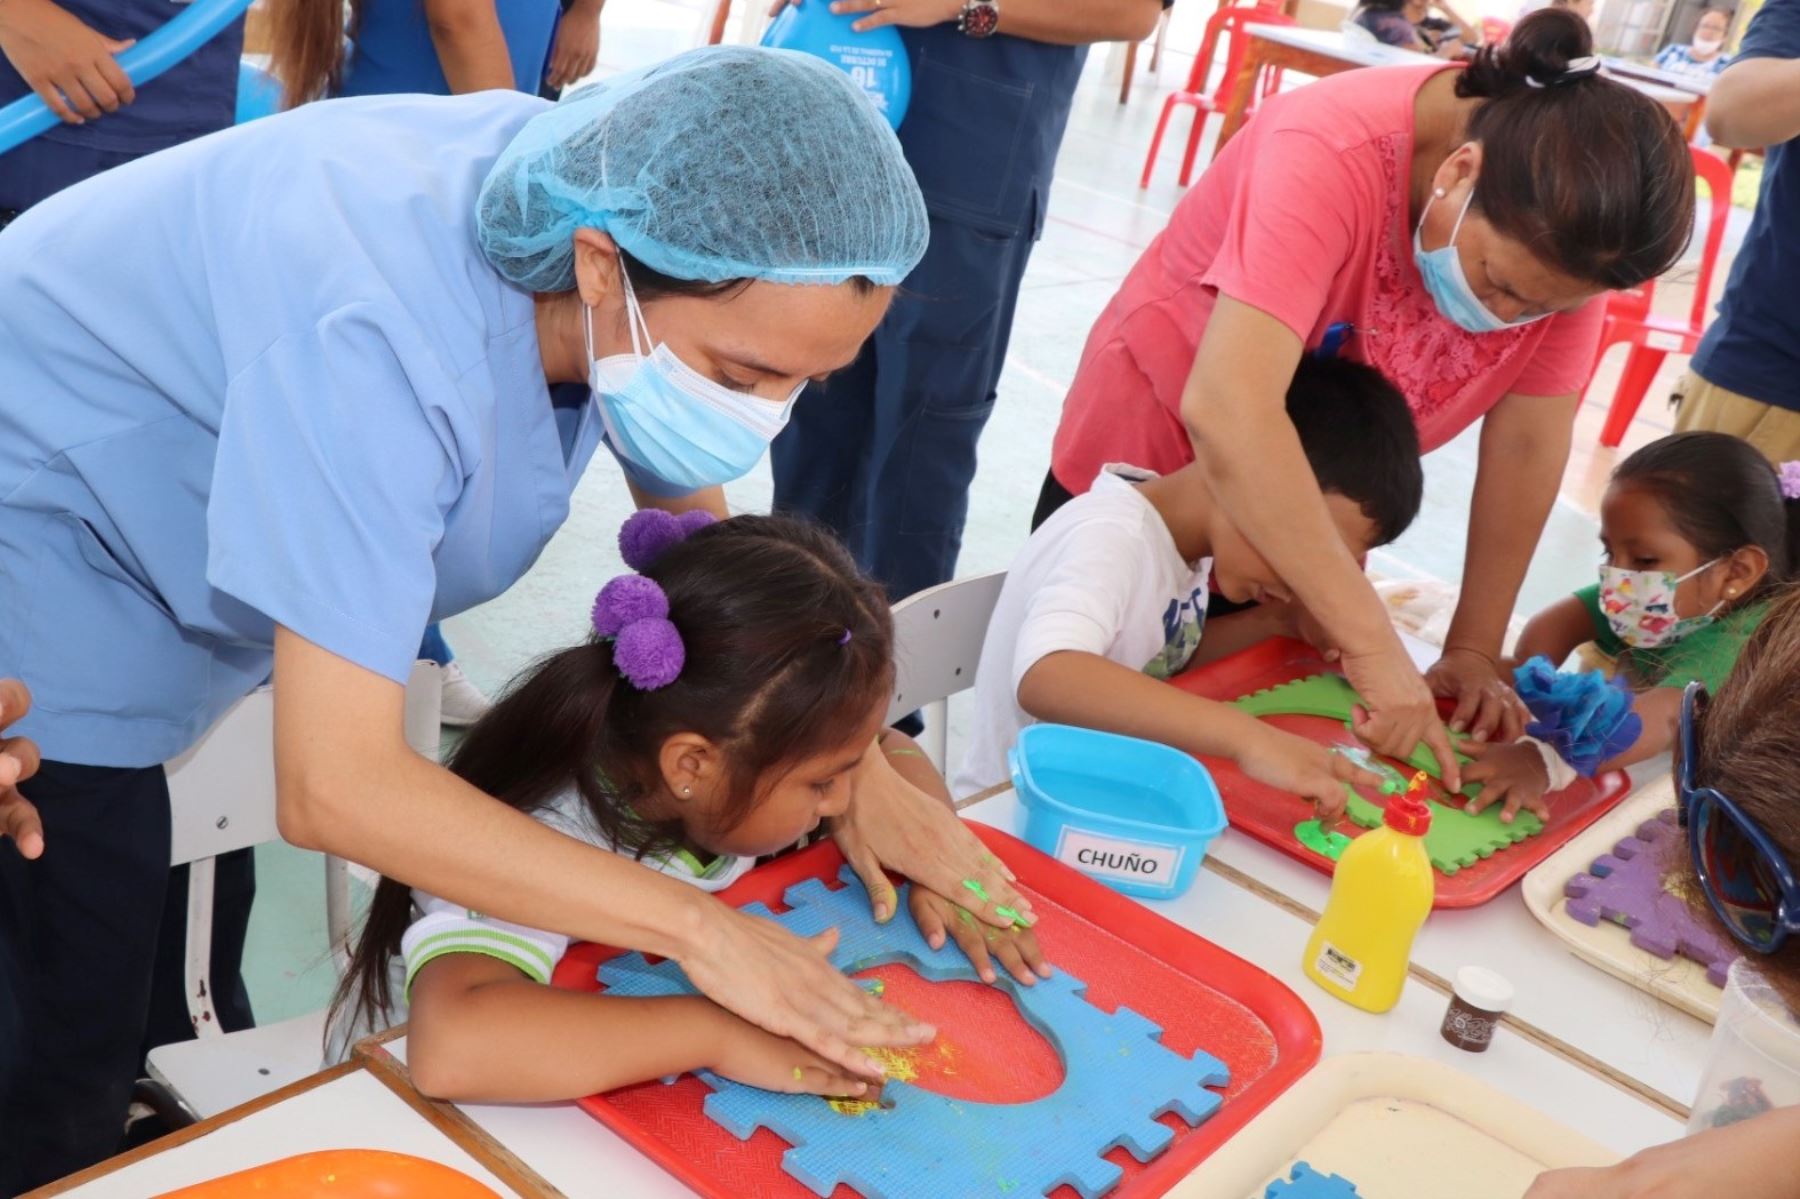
[745, 1053]
[1309, 770]
[1016, 948]
[1512, 771]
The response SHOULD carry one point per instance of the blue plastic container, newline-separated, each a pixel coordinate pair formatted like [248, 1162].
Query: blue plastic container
[1132, 814]
[876, 61]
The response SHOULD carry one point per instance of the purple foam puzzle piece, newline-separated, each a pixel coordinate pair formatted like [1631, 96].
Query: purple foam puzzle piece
[1626, 887]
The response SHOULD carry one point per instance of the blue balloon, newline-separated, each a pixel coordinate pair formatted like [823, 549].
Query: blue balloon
[876, 61]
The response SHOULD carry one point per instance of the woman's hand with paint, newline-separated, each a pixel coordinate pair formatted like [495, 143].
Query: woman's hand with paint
[1306, 768]
[1016, 949]
[18, 762]
[1513, 772]
[893, 825]
[72, 68]
[745, 1053]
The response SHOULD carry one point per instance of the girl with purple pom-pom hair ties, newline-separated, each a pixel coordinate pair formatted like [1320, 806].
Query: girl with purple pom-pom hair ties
[719, 711]
[1697, 533]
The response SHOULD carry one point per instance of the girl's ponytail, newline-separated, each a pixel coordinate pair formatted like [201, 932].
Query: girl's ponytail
[306, 44]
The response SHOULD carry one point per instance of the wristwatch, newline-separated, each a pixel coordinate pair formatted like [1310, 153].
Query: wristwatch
[980, 18]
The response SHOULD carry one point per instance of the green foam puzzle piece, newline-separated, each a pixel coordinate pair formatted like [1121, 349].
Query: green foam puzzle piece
[1457, 838]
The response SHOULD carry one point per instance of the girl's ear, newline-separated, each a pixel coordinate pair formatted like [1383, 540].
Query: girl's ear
[1744, 570]
[691, 766]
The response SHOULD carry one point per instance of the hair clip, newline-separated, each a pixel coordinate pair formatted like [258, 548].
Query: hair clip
[1790, 480]
[845, 639]
[647, 535]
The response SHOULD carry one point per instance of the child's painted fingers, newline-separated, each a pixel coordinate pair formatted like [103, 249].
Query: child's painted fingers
[875, 880]
[816, 1076]
[1009, 949]
[972, 939]
[928, 913]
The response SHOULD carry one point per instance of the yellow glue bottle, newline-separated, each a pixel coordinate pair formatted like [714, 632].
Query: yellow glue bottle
[1380, 895]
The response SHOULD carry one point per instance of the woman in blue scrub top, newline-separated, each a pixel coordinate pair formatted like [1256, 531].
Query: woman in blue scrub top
[276, 399]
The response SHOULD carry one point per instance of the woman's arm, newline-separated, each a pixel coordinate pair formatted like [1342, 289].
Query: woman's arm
[471, 47]
[1235, 410]
[348, 784]
[1226, 635]
[1751, 1160]
[1755, 103]
[1555, 632]
[1524, 447]
[478, 1031]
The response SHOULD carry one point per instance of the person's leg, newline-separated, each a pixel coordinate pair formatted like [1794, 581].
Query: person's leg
[820, 459]
[433, 647]
[1703, 405]
[941, 348]
[81, 926]
[1051, 496]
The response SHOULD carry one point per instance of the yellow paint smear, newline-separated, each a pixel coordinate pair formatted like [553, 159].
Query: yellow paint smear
[899, 1065]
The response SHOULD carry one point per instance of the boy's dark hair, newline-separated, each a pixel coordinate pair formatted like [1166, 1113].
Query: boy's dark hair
[1359, 438]
[1721, 494]
[763, 604]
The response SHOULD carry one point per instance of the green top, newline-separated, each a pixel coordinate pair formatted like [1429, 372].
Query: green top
[1707, 655]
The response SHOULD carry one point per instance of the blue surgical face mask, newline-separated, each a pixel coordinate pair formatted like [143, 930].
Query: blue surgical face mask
[674, 429]
[1449, 287]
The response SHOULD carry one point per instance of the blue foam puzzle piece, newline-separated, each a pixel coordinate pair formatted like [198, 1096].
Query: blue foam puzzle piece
[1118, 1077]
[1304, 1182]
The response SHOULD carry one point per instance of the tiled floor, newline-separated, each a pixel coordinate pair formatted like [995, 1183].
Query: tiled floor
[1099, 221]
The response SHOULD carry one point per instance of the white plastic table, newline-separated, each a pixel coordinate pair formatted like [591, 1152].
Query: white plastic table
[345, 1108]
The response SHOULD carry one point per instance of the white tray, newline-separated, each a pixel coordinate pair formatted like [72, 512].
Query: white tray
[1399, 1127]
[1607, 945]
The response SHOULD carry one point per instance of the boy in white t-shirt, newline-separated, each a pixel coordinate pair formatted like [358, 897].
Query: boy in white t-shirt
[1109, 596]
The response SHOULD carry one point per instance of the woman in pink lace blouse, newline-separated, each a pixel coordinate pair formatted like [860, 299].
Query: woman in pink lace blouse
[1463, 222]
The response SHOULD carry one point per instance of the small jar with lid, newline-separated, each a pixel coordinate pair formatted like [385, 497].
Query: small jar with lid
[1479, 999]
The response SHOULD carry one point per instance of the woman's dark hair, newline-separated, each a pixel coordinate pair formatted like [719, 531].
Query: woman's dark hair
[763, 605]
[1359, 438]
[1593, 177]
[1721, 494]
[1747, 747]
[1382, 5]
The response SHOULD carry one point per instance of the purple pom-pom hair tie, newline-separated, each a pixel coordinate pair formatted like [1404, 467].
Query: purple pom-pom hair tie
[1790, 480]
[634, 612]
[845, 638]
[647, 535]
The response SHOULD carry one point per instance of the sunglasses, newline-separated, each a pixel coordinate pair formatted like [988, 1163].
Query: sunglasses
[1747, 879]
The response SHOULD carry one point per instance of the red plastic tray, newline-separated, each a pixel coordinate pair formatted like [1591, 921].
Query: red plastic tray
[1201, 995]
[1270, 815]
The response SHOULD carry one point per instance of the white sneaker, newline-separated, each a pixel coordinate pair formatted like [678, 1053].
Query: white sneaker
[464, 703]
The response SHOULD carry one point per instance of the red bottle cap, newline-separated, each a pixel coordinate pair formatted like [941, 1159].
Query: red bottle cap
[1407, 814]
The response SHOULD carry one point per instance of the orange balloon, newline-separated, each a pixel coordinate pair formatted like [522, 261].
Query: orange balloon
[342, 1174]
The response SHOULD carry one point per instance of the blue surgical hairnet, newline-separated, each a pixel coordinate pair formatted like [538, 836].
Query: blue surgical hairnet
[727, 162]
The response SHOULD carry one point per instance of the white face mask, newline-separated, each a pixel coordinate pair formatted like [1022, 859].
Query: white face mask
[1709, 45]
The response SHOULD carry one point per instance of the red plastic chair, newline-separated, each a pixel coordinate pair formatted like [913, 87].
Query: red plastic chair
[1231, 22]
[1494, 30]
[1653, 338]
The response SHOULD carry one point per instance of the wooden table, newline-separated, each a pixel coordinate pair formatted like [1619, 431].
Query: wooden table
[1320, 52]
[354, 1106]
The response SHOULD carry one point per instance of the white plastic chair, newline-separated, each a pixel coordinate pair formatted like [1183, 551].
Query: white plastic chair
[222, 798]
[938, 635]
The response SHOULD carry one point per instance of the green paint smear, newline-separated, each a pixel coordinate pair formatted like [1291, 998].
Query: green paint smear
[1329, 845]
[962, 914]
[980, 891]
[1010, 914]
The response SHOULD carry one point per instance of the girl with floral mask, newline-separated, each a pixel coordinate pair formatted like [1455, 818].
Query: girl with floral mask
[1696, 530]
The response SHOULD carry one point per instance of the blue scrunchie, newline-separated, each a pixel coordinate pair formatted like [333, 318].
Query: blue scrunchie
[1586, 717]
